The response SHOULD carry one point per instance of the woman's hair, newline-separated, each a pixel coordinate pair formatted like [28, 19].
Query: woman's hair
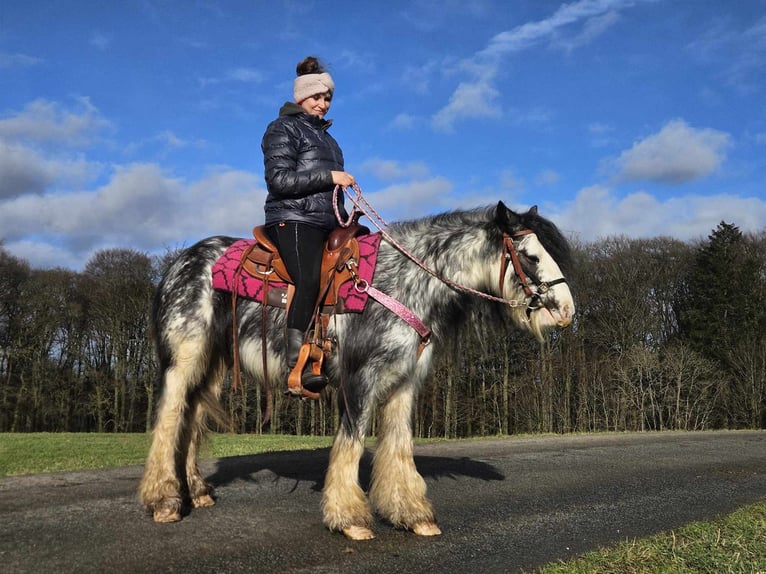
[311, 80]
[309, 65]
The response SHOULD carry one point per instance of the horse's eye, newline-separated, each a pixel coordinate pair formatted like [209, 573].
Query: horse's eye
[533, 259]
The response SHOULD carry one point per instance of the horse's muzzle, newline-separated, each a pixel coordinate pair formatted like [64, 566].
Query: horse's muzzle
[564, 319]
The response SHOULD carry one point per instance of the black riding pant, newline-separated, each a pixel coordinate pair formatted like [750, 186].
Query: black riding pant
[300, 247]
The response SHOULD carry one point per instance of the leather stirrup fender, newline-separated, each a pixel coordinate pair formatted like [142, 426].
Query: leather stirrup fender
[294, 385]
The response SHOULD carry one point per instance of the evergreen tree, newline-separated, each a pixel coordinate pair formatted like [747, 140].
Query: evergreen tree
[719, 306]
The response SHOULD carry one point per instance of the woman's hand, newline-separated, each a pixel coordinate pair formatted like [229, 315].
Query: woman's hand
[342, 179]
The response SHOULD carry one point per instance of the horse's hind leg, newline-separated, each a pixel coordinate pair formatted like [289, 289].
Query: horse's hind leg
[398, 492]
[206, 401]
[163, 481]
[344, 504]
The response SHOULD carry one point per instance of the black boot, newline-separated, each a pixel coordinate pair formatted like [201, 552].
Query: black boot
[309, 380]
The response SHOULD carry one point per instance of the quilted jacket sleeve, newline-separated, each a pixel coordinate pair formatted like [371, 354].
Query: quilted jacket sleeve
[286, 176]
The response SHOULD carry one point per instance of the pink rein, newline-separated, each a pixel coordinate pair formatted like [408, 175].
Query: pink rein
[361, 206]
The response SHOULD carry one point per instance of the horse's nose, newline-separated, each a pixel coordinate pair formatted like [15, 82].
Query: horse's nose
[566, 312]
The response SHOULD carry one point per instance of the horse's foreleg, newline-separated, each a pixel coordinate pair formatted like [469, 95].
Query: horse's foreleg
[344, 504]
[398, 492]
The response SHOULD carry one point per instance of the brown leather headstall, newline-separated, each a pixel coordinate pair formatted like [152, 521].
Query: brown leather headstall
[509, 252]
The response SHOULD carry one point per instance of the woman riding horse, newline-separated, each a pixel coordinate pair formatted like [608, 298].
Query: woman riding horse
[303, 164]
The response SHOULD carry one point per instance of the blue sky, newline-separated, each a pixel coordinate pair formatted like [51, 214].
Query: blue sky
[137, 124]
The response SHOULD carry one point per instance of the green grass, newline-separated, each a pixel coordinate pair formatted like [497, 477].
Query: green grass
[35, 453]
[731, 544]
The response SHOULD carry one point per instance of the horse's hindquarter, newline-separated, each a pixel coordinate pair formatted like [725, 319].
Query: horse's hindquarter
[185, 301]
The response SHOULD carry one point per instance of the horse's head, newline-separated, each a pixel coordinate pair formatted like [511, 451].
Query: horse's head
[535, 252]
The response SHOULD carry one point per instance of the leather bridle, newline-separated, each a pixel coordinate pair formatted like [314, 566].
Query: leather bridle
[537, 288]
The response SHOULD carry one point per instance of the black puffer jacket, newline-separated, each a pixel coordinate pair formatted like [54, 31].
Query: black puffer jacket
[298, 156]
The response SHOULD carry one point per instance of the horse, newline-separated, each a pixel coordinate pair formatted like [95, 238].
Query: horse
[437, 267]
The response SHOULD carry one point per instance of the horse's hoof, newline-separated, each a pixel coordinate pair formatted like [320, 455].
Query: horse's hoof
[203, 501]
[426, 529]
[167, 515]
[358, 533]
[168, 510]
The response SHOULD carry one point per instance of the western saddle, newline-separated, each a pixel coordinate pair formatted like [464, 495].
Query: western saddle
[339, 264]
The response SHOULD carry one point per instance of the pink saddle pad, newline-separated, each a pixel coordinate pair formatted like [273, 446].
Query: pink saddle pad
[350, 299]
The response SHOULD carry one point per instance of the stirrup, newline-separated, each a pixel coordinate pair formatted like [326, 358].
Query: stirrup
[295, 385]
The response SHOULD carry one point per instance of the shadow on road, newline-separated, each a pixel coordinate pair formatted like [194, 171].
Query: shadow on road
[311, 465]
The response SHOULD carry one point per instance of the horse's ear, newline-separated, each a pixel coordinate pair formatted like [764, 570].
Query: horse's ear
[533, 210]
[504, 217]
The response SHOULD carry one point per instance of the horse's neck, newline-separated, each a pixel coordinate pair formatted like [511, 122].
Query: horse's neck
[458, 255]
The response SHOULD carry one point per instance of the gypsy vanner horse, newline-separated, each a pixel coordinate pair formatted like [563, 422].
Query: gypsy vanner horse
[514, 260]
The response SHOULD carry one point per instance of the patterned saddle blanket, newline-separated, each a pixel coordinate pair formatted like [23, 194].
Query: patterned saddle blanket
[350, 299]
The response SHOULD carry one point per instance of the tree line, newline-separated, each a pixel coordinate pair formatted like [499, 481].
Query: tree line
[667, 335]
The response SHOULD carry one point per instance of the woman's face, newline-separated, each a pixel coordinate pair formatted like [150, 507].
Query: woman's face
[317, 105]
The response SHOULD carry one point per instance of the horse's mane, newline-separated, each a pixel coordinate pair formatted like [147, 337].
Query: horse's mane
[549, 235]
[552, 239]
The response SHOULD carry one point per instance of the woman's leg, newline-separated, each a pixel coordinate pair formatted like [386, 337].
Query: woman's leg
[300, 247]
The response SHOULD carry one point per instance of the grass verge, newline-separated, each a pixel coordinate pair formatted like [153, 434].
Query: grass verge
[33, 453]
[735, 543]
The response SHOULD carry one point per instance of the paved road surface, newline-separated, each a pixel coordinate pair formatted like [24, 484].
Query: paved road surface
[503, 505]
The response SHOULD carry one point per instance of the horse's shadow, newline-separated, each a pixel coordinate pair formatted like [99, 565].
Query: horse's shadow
[311, 465]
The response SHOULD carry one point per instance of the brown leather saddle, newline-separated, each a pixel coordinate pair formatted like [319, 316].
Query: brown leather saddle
[339, 264]
[263, 261]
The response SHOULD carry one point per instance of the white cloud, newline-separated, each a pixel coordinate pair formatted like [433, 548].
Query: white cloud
[388, 170]
[592, 28]
[230, 202]
[23, 170]
[100, 41]
[469, 100]
[600, 134]
[596, 16]
[44, 122]
[678, 153]
[418, 79]
[235, 75]
[739, 51]
[247, 75]
[140, 208]
[403, 122]
[477, 98]
[44, 255]
[27, 165]
[547, 177]
[20, 60]
[597, 212]
[411, 200]
[510, 182]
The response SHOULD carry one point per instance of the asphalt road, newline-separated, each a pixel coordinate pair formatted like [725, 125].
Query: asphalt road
[503, 505]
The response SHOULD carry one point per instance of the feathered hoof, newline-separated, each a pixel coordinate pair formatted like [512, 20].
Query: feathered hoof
[358, 533]
[426, 529]
[167, 513]
[203, 501]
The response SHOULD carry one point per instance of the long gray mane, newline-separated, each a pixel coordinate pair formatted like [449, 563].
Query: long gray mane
[441, 230]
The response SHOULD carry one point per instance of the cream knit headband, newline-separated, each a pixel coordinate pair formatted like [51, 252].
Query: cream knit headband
[309, 85]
